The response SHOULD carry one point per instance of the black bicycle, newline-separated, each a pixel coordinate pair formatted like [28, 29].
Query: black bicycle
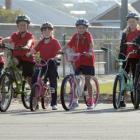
[136, 80]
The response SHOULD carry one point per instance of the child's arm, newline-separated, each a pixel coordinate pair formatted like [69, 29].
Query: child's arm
[90, 52]
[29, 44]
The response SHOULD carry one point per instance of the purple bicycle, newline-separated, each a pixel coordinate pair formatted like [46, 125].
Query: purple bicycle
[74, 87]
[41, 91]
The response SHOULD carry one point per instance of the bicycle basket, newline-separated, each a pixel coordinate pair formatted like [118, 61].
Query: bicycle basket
[71, 56]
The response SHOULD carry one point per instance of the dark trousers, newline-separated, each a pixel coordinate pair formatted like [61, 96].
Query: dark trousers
[51, 75]
[130, 65]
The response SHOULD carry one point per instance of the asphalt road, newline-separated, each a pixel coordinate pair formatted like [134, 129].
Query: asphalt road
[104, 123]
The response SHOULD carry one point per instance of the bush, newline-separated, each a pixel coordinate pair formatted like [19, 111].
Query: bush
[8, 16]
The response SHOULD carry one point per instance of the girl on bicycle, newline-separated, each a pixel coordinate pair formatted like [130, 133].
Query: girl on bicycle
[48, 47]
[25, 40]
[131, 32]
[82, 42]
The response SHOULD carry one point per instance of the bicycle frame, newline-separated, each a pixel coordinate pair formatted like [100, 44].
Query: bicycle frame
[41, 84]
[13, 71]
[127, 81]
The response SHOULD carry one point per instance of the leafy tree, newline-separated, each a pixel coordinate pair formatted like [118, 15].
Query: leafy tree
[8, 16]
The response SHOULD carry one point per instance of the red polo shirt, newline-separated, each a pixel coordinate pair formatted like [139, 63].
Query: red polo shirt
[20, 42]
[80, 44]
[130, 37]
[48, 50]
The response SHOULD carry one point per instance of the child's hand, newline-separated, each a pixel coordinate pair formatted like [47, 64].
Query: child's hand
[28, 54]
[37, 57]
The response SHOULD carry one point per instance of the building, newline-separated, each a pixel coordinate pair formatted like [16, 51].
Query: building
[111, 17]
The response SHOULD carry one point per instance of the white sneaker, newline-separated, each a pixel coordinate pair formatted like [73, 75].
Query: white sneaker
[91, 107]
[54, 107]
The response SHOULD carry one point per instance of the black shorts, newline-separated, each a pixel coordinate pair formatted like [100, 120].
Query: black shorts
[27, 68]
[86, 70]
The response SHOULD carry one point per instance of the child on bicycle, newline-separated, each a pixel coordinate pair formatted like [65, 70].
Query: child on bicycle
[82, 42]
[131, 32]
[23, 41]
[48, 47]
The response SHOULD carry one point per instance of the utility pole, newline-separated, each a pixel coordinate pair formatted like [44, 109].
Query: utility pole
[8, 4]
[123, 12]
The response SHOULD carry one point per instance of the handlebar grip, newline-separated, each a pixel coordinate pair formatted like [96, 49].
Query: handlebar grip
[104, 49]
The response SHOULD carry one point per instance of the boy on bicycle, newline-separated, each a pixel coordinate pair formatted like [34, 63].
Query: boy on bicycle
[48, 47]
[82, 42]
[23, 42]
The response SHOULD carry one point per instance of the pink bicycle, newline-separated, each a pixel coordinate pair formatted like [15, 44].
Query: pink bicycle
[74, 86]
[41, 91]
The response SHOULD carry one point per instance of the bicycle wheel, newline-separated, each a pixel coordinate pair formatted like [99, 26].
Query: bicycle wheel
[117, 92]
[95, 91]
[137, 93]
[34, 98]
[25, 96]
[67, 92]
[5, 92]
[46, 99]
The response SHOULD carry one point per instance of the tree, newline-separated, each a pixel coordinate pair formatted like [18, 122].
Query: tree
[8, 4]
[8, 16]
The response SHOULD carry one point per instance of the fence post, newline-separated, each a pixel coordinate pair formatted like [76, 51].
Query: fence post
[63, 59]
[108, 65]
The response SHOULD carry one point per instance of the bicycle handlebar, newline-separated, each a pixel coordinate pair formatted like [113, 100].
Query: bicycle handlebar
[117, 59]
[43, 63]
[133, 43]
[10, 47]
[72, 56]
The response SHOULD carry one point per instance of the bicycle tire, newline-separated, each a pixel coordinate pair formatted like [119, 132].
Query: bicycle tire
[5, 92]
[137, 93]
[66, 96]
[25, 96]
[45, 100]
[117, 99]
[34, 98]
[95, 95]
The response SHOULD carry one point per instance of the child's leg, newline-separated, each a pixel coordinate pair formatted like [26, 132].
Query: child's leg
[88, 85]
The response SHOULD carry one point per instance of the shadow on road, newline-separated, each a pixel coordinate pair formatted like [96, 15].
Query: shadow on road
[106, 110]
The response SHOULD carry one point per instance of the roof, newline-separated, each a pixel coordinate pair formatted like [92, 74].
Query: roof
[113, 13]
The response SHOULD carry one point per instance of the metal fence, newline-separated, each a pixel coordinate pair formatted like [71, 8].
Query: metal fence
[104, 64]
[103, 36]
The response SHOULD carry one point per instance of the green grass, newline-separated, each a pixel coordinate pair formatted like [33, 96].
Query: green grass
[106, 88]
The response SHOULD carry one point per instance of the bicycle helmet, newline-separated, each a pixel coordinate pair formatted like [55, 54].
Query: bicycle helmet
[82, 22]
[46, 25]
[23, 18]
[132, 15]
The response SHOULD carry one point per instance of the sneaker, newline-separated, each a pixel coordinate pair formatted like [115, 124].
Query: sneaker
[122, 104]
[90, 103]
[54, 107]
[74, 105]
[90, 107]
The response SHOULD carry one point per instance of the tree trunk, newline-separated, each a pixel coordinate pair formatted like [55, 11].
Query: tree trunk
[8, 4]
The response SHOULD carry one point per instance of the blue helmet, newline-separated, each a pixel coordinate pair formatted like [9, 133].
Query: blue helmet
[132, 15]
[82, 22]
